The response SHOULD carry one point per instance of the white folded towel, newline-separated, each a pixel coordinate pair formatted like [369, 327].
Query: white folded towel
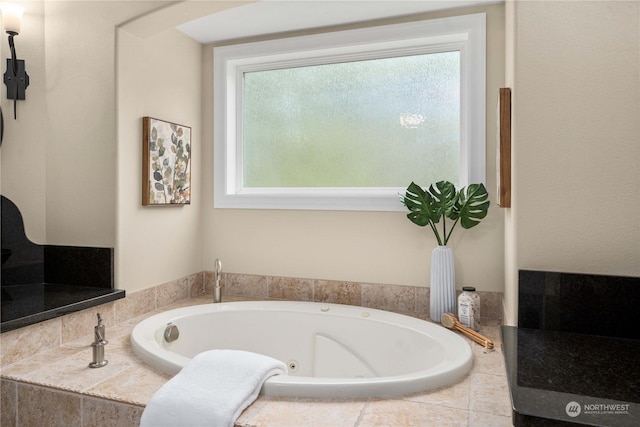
[211, 390]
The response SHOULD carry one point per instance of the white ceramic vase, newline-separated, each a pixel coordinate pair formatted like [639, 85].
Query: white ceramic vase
[442, 297]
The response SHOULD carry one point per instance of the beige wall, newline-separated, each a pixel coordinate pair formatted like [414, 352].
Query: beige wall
[23, 154]
[59, 157]
[577, 138]
[373, 247]
[158, 76]
[73, 170]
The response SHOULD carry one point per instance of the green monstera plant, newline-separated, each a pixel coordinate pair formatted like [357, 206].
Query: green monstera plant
[441, 202]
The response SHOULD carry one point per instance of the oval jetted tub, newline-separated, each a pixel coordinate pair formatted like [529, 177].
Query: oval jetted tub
[331, 350]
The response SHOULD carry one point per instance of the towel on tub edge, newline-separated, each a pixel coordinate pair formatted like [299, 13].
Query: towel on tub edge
[211, 390]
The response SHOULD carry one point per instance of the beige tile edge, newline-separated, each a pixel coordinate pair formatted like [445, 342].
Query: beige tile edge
[26, 342]
[56, 397]
[412, 300]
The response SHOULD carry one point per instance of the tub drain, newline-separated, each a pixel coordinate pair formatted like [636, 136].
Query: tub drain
[292, 365]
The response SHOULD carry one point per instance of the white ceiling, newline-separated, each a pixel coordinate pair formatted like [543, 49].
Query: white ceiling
[276, 16]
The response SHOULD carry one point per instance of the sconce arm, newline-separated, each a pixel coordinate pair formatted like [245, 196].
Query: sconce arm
[12, 47]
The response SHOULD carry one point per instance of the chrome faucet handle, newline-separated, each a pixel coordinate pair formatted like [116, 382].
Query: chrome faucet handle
[218, 268]
[217, 290]
[99, 331]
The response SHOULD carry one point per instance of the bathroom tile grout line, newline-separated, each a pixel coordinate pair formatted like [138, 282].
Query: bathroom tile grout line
[361, 414]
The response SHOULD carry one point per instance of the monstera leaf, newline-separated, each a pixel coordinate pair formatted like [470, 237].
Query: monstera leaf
[422, 206]
[445, 195]
[442, 201]
[472, 205]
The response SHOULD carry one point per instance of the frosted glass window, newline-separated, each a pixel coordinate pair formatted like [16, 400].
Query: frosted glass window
[347, 120]
[374, 123]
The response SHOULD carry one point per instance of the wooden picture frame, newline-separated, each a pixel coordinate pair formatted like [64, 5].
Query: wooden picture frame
[503, 163]
[166, 163]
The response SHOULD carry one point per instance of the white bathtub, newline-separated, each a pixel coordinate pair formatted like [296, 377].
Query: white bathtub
[332, 350]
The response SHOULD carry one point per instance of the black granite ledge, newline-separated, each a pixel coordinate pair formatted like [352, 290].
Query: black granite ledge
[40, 282]
[26, 305]
[591, 304]
[548, 370]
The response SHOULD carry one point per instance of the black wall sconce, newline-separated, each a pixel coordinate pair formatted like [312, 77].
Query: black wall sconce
[15, 78]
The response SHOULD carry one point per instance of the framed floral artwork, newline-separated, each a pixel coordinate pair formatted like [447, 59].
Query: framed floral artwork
[166, 163]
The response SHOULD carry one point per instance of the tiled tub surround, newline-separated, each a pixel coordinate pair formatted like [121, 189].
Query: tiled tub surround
[46, 381]
[577, 340]
[409, 300]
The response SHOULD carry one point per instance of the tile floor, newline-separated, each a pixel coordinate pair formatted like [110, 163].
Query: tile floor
[481, 399]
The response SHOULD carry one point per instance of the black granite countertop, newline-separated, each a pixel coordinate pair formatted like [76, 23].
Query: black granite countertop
[559, 378]
[25, 305]
[40, 282]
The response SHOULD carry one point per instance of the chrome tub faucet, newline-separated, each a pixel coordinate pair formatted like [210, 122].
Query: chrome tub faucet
[98, 345]
[217, 289]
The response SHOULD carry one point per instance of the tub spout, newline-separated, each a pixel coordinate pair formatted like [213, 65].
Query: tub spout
[217, 289]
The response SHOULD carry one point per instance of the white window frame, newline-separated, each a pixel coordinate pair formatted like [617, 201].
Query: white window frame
[465, 33]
